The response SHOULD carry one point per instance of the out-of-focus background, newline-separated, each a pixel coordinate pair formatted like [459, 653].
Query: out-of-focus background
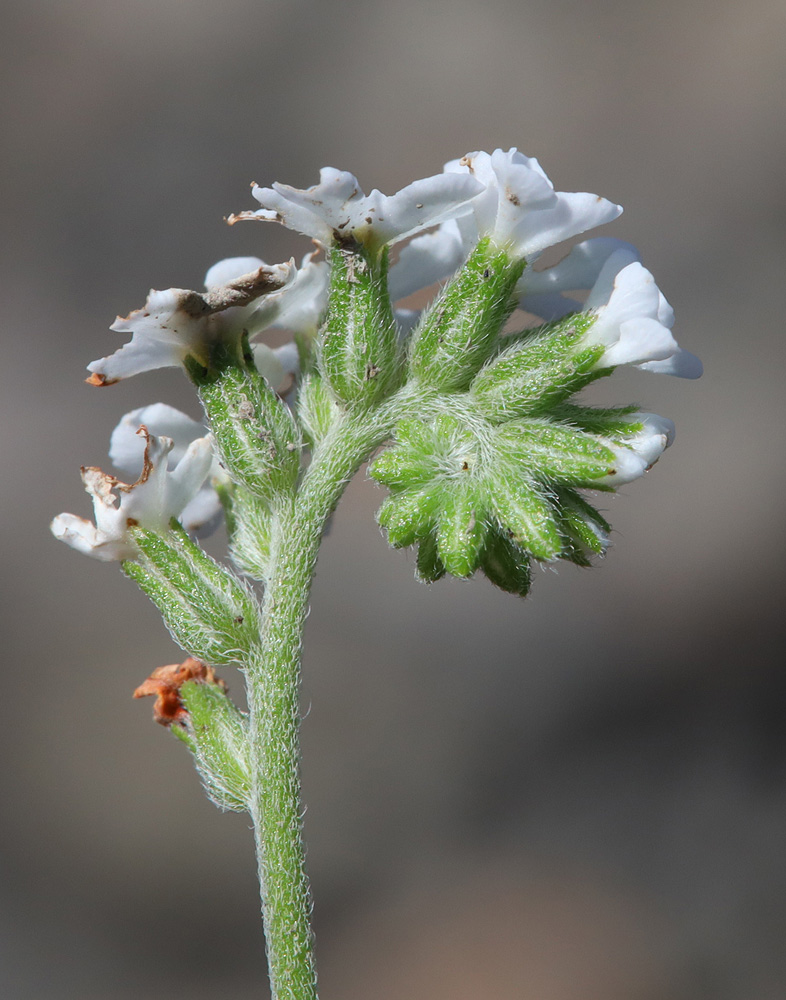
[577, 797]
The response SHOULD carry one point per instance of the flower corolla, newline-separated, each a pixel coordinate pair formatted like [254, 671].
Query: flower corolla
[633, 320]
[151, 502]
[519, 208]
[640, 451]
[336, 210]
[202, 515]
[243, 296]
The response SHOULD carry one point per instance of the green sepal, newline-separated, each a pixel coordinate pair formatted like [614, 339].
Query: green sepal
[250, 539]
[216, 732]
[410, 514]
[609, 422]
[358, 351]
[256, 436]
[521, 508]
[400, 467]
[556, 453]
[209, 613]
[429, 567]
[584, 529]
[461, 531]
[460, 329]
[505, 564]
[317, 409]
[441, 447]
[540, 369]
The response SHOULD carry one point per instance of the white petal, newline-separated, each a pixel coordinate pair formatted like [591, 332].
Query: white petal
[202, 515]
[428, 258]
[682, 364]
[519, 207]
[83, 536]
[127, 448]
[299, 306]
[640, 340]
[665, 312]
[625, 292]
[176, 322]
[268, 365]
[571, 214]
[318, 211]
[628, 465]
[337, 209]
[580, 269]
[185, 480]
[634, 321]
[641, 450]
[424, 203]
[656, 435]
[160, 334]
[155, 498]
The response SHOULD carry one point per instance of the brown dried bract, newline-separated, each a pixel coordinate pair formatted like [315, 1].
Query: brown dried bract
[165, 683]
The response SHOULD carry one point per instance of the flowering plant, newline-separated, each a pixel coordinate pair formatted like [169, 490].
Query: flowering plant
[472, 424]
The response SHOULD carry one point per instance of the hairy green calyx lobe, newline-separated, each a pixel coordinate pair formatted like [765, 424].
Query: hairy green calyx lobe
[208, 611]
[256, 436]
[460, 330]
[358, 352]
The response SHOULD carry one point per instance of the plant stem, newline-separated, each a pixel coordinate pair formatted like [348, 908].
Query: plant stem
[273, 695]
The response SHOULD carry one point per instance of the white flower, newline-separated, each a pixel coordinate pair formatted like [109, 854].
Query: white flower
[634, 320]
[519, 208]
[541, 292]
[337, 210]
[157, 496]
[243, 295]
[203, 513]
[641, 451]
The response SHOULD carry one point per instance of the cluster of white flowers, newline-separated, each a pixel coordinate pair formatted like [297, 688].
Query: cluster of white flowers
[504, 196]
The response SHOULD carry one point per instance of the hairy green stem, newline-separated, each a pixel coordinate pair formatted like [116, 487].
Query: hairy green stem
[273, 689]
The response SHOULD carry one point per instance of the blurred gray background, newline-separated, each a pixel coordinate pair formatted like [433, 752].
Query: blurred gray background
[577, 797]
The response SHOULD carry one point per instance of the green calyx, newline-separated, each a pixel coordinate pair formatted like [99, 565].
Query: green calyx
[216, 732]
[256, 435]
[460, 330]
[486, 476]
[358, 352]
[537, 370]
[208, 611]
